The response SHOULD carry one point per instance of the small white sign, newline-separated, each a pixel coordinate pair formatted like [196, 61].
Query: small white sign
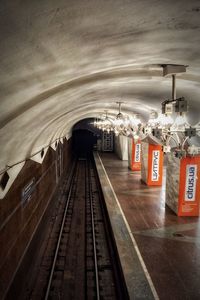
[137, 152]
[155, 165]
[27, 191]
[190, 185]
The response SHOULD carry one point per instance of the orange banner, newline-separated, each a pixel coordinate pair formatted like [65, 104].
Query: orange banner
[155, 165]
[189, 191]
[136, 156]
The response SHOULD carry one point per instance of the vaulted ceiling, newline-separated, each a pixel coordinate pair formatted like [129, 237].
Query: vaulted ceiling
[65, 60]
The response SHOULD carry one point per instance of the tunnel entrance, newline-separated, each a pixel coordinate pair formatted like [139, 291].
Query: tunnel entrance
[85, 137]
[83, 141]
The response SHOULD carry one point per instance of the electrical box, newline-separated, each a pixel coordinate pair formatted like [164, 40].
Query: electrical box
[190, 132]
[157, 132]
[168, 108]
[180, 153]
[181, 105]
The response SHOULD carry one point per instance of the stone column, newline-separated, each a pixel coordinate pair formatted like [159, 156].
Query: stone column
[182, 185]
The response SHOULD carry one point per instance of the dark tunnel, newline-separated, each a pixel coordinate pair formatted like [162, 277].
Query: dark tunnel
[83, 142]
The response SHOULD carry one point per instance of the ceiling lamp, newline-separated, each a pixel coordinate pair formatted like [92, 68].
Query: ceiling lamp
[164, 121]
[179, 130]
[167, 128]
[99, 122]
[107, 124]
[121, 122]
[153, 119]
[152, 123]
[95, 122]
[180, 123]
[135, 125]
[104, 123]
[135, 120]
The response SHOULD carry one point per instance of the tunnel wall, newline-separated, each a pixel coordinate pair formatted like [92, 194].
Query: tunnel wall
[24, 205]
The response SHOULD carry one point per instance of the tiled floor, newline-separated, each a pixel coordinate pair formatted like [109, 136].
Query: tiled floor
[169, 245]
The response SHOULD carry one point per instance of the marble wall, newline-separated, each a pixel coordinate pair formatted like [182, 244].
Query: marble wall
[130, 149]
[144, 161]
[172, 181]
[19, 217]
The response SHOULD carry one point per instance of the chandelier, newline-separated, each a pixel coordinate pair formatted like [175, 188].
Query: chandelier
[122, 124]
[126, 125]
[170, 125]
[104, 123]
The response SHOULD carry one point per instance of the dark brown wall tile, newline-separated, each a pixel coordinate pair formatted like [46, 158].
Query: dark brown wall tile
[20, 221]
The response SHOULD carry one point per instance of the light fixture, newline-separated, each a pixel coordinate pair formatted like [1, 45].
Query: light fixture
[95, 122]
[169, 125]
[135, 120]
[104, 123]
[165, 120]
[153, 119]
[121, 122]
[179, 131]
[180, 121]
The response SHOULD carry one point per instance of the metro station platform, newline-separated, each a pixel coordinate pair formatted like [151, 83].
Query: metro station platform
[167, 247]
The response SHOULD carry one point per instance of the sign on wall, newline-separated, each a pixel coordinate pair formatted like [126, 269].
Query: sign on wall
[107, 141]
[191, 179]
[137, 152]
[155, 165]
[27, 192]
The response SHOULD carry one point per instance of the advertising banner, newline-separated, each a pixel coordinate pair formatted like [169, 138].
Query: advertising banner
[189, 183]
[135, 156]
[155, 165]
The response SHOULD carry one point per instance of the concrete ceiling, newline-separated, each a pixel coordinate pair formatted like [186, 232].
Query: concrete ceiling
[62, 61]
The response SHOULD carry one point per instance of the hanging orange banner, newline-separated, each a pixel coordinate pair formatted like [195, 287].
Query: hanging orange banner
[135, 164]
[189, 191]
[155, 165]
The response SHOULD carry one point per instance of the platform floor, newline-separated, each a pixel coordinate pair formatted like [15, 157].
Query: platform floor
[169, 245]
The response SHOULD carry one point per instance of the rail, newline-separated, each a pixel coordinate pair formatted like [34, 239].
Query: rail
[93, 234]
[59, 239]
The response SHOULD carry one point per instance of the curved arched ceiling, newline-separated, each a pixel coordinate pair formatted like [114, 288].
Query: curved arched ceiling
[63, 61]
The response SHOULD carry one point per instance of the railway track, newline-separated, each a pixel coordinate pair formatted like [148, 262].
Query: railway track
[80, 258]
